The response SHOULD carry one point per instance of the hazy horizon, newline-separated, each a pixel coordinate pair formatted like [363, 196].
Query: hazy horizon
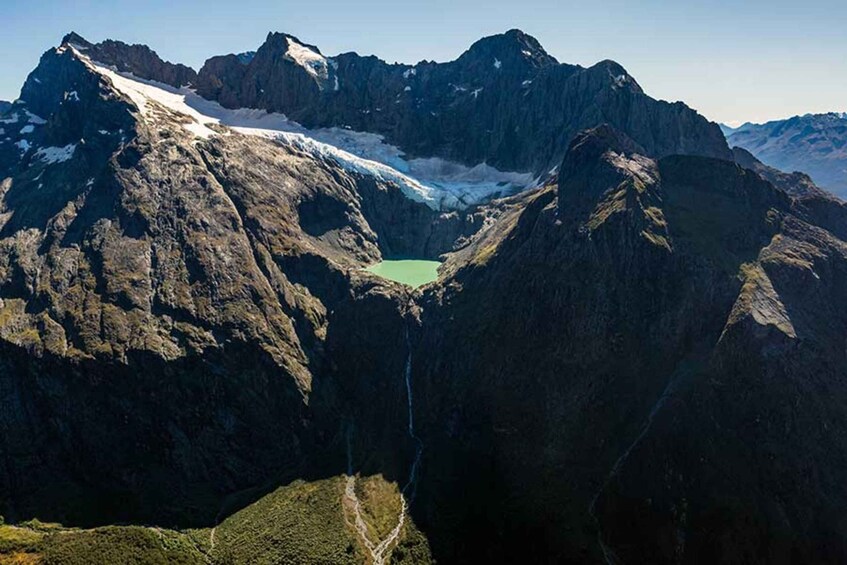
[734, 64]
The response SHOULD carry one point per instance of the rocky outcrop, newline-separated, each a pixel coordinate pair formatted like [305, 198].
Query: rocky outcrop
[813, 143]
[139, 60]
[505, 101]
[283, 74]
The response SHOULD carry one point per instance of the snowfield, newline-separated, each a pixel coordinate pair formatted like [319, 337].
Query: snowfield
[435, 182]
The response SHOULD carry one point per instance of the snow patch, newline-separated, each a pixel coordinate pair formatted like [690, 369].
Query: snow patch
[52, 155]
[497, 64]
[409, 73]
[314, 63]
[33, 119]
[476, 92]
[27, 129]
[23, 145]
[72, 96]
[407, 89]
[246, 57]
[148, 95]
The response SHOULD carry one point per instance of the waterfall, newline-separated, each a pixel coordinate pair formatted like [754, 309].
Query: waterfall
[412, 483]
[380, 552]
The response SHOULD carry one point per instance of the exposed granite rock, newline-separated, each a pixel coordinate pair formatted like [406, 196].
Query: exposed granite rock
[505, 101]
[270, 79]
[139, 60]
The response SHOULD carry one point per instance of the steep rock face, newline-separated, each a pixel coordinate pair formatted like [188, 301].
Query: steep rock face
[814, 143]
[4, 106]
[505, 101]
[812, 203]
[170, 306]
[284, 74]
[585, 416]
[139, 60]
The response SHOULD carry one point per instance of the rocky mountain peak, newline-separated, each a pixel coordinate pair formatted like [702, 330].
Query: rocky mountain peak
[137, 59]
[593, 143]
[75, 39]
[513, 48]
[597, 160]
[246, 57]
[280, 43]
[615, 75]
[504, 102]
[301, 65]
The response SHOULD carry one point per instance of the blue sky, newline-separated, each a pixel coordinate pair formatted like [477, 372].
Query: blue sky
[733, 61]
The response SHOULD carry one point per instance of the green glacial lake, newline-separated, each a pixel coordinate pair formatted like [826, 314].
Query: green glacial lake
[410, 272]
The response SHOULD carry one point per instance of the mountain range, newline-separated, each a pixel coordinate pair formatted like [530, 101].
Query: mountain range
[633, 352]
[813, 143]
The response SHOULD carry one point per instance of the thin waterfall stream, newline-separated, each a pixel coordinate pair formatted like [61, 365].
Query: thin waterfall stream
[380, 552]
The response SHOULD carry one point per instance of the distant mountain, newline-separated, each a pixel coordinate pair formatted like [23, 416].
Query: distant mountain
[726, 129]
[505, 101]
[796, 184]
[814, 143]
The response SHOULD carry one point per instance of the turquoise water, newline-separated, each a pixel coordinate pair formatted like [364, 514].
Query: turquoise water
[412, 272]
